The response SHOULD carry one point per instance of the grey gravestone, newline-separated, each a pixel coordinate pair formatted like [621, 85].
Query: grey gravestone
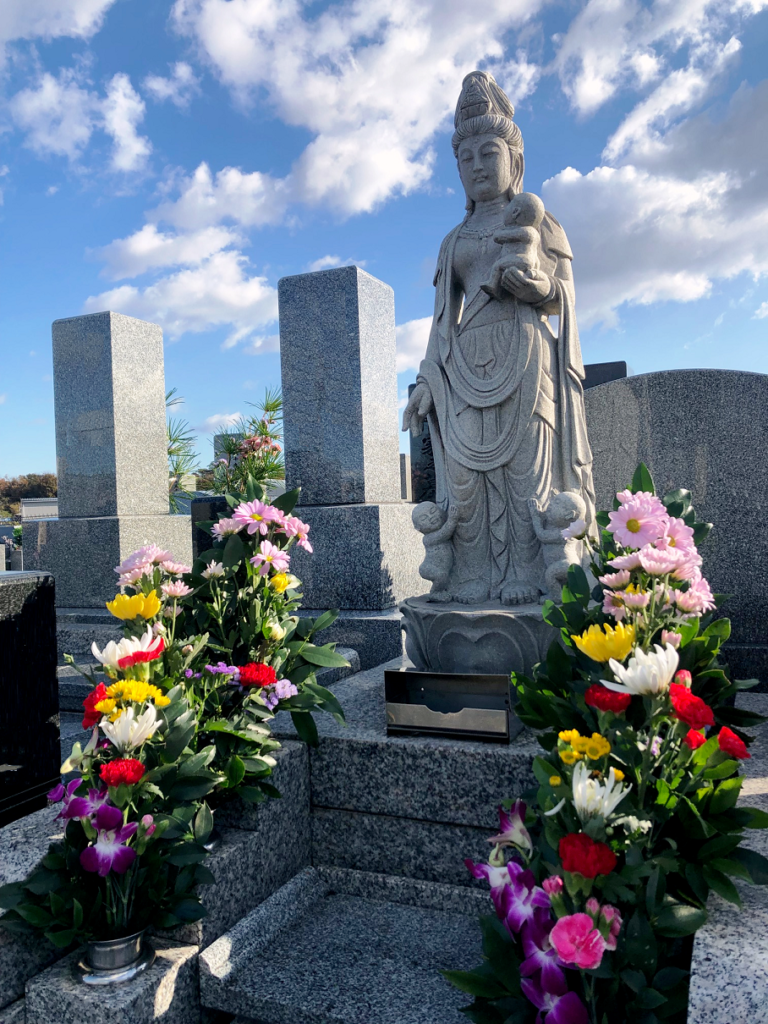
[112, 461]
[704, 430]
[406, 491]
[29, 724]
[602, 373]
[337, 354]
[337, 350]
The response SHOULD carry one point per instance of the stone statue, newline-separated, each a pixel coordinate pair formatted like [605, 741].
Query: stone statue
[502, 391]
[438, 529]
[560, 551]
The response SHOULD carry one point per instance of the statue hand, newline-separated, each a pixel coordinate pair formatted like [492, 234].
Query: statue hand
[419, 404]
[533, 287]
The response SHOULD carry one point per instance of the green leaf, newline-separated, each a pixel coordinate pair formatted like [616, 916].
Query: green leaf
[722, 770]
[36, 916]
[325, 620]
[642, 480]
[187, 853]
[649, 999]
[194, 787]
[62, 939]
[287, 502]
[757, 818]
[11, 895]
[678, 920]
[234, 552]
[755, 863]
[235, 771]
[203, 824]
[668, 977]
[578, 585]
[305, 727]
[726, 795]
[479, 983]
[634, 980]
[722, 885]
[543, 771]
[197, 762]
[325, 657]
[189, 909]
[720, 628]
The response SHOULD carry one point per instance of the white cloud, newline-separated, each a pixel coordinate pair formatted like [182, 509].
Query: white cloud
[372, 80]
[2, 399]
[52, 190]
[216, 293]
[251, 200]
[50, 19]
[691, 208]
[59, 114]
[411, 340]
[331, 262]
[151, 249]
[761, 312]
[219, 422]
[262, 344]
[122, 110]
[179, 88]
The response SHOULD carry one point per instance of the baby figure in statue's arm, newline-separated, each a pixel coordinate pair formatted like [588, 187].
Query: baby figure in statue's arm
[437, 528]
[519, 239]
[563, 510]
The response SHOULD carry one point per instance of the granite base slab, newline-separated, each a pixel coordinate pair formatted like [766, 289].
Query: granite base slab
[82, 553]
[167, 991]
[376, 636]
[425, 850]
[360, 768]
[366, 557]
[291, 776]
[344, 959]
[14, 1014]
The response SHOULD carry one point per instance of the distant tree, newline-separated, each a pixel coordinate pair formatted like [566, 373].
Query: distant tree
[32, 485]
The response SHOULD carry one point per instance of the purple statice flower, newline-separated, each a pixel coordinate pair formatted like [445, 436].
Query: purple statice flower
[521, 898]
[109, 852]
[556, 1005]
[221, 669]
[192, 675]
[282, 690]
[538, 950]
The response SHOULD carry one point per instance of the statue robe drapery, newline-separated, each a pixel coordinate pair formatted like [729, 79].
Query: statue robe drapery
[508, 422]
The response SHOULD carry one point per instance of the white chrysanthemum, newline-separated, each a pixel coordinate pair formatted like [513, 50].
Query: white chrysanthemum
[128, 731]
[594, 799]
[647, 674]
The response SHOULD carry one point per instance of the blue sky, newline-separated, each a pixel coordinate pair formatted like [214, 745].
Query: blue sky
[172, 159]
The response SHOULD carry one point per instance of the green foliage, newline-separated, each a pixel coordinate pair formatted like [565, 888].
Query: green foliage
[252, 449]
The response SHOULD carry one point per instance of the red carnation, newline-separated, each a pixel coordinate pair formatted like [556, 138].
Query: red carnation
[603, 699]
[689, 708]
[256, 673]
[589, 858]
[127, 770]
[91, 716]
[694, 739]
[731, 744]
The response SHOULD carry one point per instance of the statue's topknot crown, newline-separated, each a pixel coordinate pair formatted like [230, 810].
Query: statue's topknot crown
[480, 95]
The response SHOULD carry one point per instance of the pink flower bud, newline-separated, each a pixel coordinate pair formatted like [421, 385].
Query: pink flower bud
[553, 885]
[684, 678]
[612, 918]
[593, 907]
[149, 824]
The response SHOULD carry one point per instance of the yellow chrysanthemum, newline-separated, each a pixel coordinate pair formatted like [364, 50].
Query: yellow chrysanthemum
[619, 774]
[569, 756]
[555, 780]
[133, 690]
[280, 582]
[596, 747]
[569, 735]
[106, 706]
[128, 608]
[603, 642]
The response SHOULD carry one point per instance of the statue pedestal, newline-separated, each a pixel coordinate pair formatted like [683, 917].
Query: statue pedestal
[489, 638]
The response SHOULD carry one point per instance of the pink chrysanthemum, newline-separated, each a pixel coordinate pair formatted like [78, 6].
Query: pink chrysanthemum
[292, 526]
[256, 516]
[150, 554]
[226, 528]
[697, 599]
[680, 536]
[270, 556]
[641, 600]
[639, 521]
[613, 604]
[175, 568]
[658, 561]
[176, 589]
[616, 580]
[630, 561]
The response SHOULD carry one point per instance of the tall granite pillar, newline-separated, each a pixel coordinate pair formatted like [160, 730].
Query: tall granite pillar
[337, 351]
[111, 454]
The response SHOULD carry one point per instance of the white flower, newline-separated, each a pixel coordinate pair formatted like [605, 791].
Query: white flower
[594, 799]
[647, 674]
[129, 647]
[128, 731]
[575, 531]
[78, 756]
[276, 631]
[214, 569]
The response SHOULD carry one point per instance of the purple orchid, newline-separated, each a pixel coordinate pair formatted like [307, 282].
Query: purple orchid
[497, 876]
[556, 1005]
[83, 806]
[512, 830]
[109, 853]
[521, 898]
[539, 952]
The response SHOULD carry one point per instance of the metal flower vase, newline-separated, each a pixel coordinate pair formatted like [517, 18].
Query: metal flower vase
[113, 961]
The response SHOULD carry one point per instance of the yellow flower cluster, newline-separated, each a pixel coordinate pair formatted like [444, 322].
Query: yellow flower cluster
[125, 607]
[555, 780]
[577, 746]
[603, 642]
[130, 691]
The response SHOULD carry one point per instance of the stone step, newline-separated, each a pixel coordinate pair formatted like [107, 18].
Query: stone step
[412, 806]
[345, 948]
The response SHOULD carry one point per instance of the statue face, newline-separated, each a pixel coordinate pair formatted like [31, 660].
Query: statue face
[484, 167]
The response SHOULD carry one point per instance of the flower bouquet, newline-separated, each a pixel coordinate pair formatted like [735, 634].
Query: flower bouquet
[600, 882]
[135, 826]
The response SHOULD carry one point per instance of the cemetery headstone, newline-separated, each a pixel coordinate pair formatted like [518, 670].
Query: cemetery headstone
[111, 453]
[29, 723]
[602, 373]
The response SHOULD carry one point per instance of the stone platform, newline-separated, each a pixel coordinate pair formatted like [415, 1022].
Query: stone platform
[344, 958]
[489, 638]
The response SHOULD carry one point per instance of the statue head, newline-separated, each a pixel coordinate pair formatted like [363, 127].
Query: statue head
[428, 517]
[487, 142]
[565, 508]
[525, 210]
